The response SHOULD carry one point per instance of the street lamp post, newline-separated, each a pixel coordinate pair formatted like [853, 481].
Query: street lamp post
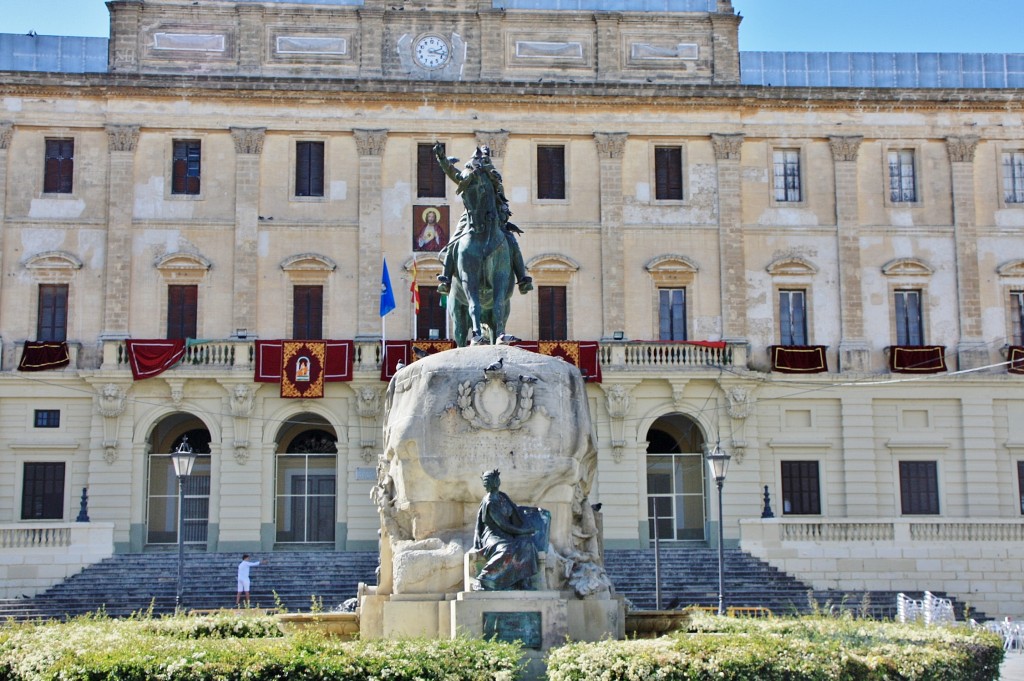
[718, 463]
[183, 459]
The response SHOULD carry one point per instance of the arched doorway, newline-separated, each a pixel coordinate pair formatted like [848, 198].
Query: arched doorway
[675, 480]
[306, 481]
[162, 486]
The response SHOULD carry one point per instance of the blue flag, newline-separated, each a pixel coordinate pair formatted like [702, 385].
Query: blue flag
[387, 295]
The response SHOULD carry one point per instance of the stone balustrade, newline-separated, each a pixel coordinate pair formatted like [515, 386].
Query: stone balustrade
[35, 556]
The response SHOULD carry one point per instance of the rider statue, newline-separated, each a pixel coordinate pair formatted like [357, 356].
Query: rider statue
[483, 202]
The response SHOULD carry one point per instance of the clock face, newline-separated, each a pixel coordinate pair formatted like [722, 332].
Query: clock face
[432, 52]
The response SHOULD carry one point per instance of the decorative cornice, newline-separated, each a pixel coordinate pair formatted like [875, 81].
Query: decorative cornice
[961, 149]
[845, 147]
[610, 144]
[122, 137]
[248, 140]
[6, 133]
[370, 142]
[495, 140]
[727, 147]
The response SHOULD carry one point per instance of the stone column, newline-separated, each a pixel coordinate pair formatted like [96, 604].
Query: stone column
[121, 143]
[731, 249]
[248, 148]
[854, 352]
[370, 146]
[610, 146]
[972, 351]
[609, 62]
[371, 47]
[6, 133]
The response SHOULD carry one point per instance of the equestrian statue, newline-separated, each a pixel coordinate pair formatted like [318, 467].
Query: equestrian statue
[482, 261]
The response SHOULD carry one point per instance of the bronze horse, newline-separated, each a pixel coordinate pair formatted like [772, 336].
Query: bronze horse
[483, 280]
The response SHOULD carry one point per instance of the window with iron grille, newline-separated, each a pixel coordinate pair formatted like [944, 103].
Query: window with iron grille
[919, 487]
[432, 317]
[59, 167]
[185, 167]
[792, 317]
[553, 324]
[909, 325]
[42, 492]
[902, 176]
[801, 488]
[786, 165]
[52, 322]
[550, 172]
[1017, 317]
[182, 310]
[307, 312]
[672, 314]
[430, 177]
[1013, 177]
[46, 418]
[309, 169]
[668, 173]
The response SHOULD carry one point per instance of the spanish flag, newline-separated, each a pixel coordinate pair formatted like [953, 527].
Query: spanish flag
[414, 287]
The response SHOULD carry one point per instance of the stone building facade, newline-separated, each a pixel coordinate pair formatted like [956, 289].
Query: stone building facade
[247, 166]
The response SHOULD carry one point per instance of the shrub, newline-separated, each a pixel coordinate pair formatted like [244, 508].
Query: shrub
[797, 649]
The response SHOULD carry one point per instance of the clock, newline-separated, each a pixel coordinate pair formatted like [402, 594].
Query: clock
[432, 52]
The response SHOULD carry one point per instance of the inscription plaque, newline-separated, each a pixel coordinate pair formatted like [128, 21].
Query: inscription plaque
[509, 627]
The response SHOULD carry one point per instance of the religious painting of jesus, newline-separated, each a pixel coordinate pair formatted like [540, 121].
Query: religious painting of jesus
[429, 228]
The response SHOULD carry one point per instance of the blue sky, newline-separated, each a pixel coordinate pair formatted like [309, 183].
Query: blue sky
[815, 25]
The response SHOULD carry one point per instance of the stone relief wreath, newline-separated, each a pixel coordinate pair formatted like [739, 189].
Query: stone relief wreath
[497, 402]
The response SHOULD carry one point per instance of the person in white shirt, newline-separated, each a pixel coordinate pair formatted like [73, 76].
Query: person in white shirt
[243, 579]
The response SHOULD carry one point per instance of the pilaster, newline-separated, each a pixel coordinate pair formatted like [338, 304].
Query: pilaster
[609, 59]
[6, 134]
[610, 146]
[854, 351]
[492, 48]
[859, 497]
[731, 249]
[123, 48]
[370, 147]
[371, 43]
[121, 143]
[725, 30]
[971, 350]
[981, 458]
[250, 39]
[248, 148]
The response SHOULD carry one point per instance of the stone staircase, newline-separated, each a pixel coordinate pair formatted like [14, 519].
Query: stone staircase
[130, 583]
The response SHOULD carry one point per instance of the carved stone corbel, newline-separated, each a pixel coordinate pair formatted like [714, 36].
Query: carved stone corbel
[111, 402]
[241, 403]
[177, 387]
[368, 406]
[241, 451]
[678, 391]
[739, 406]
[618, 401]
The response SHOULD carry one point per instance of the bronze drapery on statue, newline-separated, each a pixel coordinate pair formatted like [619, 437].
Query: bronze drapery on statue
[508, 537]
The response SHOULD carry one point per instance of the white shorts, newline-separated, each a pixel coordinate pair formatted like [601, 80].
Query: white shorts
[243, 585]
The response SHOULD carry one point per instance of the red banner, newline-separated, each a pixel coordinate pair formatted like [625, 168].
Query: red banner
[406, 352]
[149, 358]
[44, 355]
[302, 368]
[339, 363]
[917, 359]
[1016, 357]
[798, 359]
[584, 355]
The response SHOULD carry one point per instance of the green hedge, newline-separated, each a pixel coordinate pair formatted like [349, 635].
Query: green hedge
[172, 649]
[798, 649]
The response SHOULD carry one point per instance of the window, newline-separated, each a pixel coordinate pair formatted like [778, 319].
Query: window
[42, 492]
[801, 491]
[919, 487]
[786, 164]
[430, 178]
[792, 317]
[675, 481]
[307, 312]
[47, 418]
[185, 167]
[1013, 177]
[182, 310]
[909, 326]
[307, 488]
[432, 318]
[551, 172]
[672, 314]
[551, 304]
[59, 171]
[52, 323]
[162, 502]
[1017, 317]
[668, 173]
[309, 169]
[902, 180]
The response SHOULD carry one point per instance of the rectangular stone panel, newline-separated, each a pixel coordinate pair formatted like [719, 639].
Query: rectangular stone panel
[190, 42]
[326, 45]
